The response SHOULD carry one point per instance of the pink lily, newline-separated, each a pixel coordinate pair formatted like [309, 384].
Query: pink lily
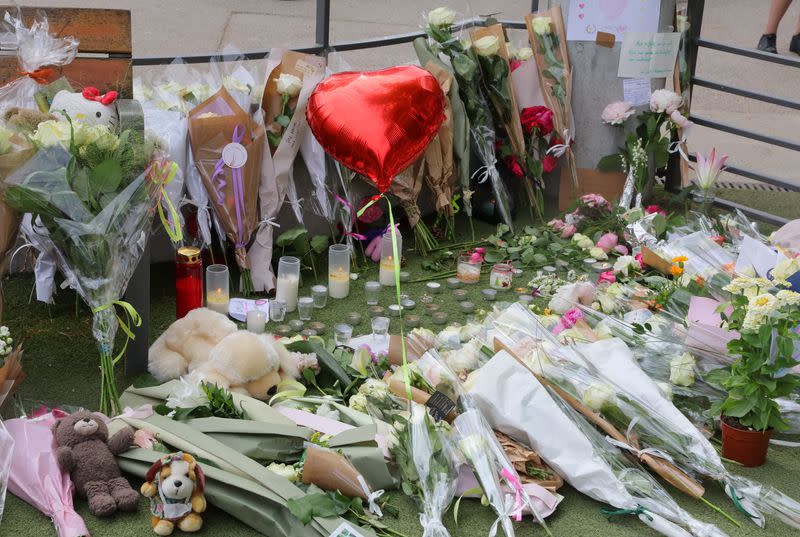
[709, 169]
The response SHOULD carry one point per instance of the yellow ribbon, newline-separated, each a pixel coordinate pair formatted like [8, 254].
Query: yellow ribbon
[132, 317]
[454, 203]
[162, 174]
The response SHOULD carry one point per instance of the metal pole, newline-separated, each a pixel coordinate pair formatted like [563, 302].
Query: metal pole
[138, 295]
[324, 25]
[534, 6]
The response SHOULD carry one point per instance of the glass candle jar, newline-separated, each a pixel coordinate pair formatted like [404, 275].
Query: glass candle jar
[256, 321]
[342, 334]
[387, 268]
[277, 310]
[468, 269]
[339, 271]
[380, 327]
[188, 281]
[501, 276]
[320, 295]
[217, 290]
[288, 281]
[305, 304]
[373, 292]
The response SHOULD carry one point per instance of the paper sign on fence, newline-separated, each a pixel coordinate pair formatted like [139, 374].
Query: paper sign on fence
[636, 90]
[648, 55]
[587, 17]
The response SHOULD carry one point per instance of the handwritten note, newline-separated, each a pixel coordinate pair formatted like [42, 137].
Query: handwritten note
[587, 17]
[648, 55]
[636, 90]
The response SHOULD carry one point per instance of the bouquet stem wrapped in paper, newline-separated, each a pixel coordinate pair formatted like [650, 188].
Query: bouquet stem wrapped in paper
[228, 148]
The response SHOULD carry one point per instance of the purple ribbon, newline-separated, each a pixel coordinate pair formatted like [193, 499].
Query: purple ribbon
[218, 179]
[347, 204]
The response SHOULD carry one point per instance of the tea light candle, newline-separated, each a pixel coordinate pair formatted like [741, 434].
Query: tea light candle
[218, 300]
[601, 266]
[376, 311]
[296, 325]
[434, 288]
[408, 304]
[440, 317]
[430, 309]
[405, 276]
[489, 294]
[320, 295]
[353, 318]
[460, 294]
[256, 321]
[589, 261]
[413, 321]
[308, 332]
[467, 306]
[395, 310]
[525, 300]
[318, 327]
[453, 283]
[283, 330]
[521, 290]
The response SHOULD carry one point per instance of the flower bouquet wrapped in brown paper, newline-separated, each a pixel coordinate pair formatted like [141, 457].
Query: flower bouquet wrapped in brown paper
[228, 148]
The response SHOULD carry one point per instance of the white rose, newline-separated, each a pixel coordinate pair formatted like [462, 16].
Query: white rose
[358, 402]
[487, 45]
[441, 16]
[449, 338]
[286, 471]
[598, 253]
[5, 140]
[525, 53]
[327, 411]
[289, 85]
[541, 25]
[626, 264]
[606, 302]
[188, 392]
[664, 100]
[681, 370]
[4, 331]
[567, 295]
[464, 359]
[232, 83]
[597, 395]
[469, 332]
[582, 241]
[473, 446]
[683, 23]
[374, 388]
[511, 50]
[52, 132]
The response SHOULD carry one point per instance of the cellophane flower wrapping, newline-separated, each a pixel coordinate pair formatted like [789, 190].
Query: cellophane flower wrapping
[97, 222]
[6, 449]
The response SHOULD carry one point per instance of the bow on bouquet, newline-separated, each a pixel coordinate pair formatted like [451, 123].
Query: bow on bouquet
[228, 148]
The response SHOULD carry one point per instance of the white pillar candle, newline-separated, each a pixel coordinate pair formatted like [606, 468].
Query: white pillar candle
[218, 300]
[286, 290]
[338, 283]
[386, 276]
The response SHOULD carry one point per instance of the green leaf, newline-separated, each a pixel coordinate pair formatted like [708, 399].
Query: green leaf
[610, 163]
[319, 243]
[288, 237]
[106, 176]
[314, 505]
[283, 120]
[740, 408]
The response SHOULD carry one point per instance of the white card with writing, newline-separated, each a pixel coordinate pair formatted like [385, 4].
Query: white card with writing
[239, 307]
[636, 90]
[587, 17]
[346, 530]
[648, 55]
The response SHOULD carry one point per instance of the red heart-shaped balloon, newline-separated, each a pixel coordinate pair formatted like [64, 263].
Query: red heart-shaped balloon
[377, 122]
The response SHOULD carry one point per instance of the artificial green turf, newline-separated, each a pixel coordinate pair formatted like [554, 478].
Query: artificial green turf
[61, 364]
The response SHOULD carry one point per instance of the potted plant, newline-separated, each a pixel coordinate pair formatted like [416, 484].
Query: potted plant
[765, 318]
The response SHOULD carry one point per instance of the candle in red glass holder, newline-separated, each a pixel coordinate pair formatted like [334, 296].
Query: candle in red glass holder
[188, 281]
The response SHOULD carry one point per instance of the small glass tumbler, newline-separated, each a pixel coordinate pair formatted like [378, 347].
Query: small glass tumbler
[320, 295]
[277, 310]
[373, 292]
[342, 334]
[305, 305]
[380, 327]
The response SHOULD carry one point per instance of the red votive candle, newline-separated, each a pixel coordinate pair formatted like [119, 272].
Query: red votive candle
[188, 281]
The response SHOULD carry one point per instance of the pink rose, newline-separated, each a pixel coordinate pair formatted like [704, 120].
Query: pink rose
[480, 250]
[617, 113]
[568, 320]
[607, 277]
[621, 249]
[680, 120]
[144, 439]
[607, 242]
[640, 259]
[568, 231]
[594, 200]
[557, 224]
[650, 209]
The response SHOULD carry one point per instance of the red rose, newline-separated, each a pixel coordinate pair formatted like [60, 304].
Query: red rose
[515, 65]
[549, 163]
[513, 165]
[538, 117]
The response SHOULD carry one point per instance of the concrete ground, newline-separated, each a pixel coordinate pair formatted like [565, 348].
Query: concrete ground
[183, 27]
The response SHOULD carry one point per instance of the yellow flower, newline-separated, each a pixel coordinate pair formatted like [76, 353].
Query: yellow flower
[676, 270]
[680, 259]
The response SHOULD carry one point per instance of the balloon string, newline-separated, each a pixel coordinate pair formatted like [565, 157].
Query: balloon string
[396, 257]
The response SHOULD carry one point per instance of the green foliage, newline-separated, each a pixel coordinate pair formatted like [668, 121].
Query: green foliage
[220, 405]
[295, 241]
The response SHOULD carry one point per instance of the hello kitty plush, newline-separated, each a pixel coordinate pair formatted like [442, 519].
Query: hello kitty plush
[89, 107]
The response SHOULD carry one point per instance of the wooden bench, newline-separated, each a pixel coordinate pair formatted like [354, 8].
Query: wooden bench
[103, 61]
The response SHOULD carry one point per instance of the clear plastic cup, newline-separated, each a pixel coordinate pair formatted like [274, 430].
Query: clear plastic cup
[380, 328]
[342, 334]
[277, 310]
[305, 305]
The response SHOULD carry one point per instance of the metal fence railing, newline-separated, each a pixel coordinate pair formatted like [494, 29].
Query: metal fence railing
[695, 43]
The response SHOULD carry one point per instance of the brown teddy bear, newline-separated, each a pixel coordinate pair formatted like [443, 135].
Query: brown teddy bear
[175, 486]
[86, 452]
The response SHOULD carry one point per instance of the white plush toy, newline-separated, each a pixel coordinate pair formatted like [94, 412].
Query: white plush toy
[209, 343]
[89, 107]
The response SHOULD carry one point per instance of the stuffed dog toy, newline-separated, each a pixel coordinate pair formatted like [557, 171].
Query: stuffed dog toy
[174, 485]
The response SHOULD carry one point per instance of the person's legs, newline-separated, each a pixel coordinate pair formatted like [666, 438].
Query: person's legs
[794, 44]
[777, 10]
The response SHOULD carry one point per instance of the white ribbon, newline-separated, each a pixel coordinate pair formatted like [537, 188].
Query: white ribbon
[508, 511]
[28, 244]
[677, 147]
[785, 443]
[372, 497]
[431, 525]
[558, 150]
[485, 171]
[267, 222]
